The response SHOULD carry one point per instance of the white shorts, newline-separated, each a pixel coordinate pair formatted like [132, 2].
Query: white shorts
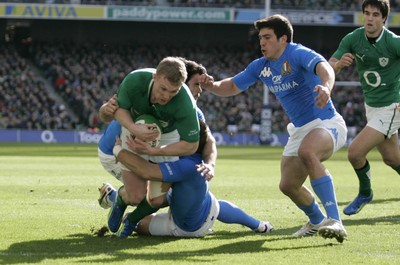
[110, 164]
[336, 127]
[384, 119]
[162, 224]
[166, 139]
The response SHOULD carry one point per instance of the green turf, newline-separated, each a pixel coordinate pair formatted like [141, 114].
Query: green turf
[49, 213]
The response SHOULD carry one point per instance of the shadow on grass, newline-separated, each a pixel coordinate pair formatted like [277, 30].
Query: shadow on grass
[82, 246]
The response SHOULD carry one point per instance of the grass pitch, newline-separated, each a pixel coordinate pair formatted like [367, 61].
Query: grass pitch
[49, 213]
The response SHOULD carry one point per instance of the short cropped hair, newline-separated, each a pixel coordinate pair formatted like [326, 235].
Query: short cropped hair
[382, 5]
[173, 69]
[279, 24]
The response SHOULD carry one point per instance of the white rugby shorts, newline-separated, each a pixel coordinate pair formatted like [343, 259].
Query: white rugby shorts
[162, 224]
[384, 119]
[110, 164]
[335, 126]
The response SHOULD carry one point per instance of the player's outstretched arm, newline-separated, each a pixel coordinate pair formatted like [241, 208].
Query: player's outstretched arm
[223, 88]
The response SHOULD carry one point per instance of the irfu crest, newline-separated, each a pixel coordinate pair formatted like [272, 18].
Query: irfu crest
[383, 61]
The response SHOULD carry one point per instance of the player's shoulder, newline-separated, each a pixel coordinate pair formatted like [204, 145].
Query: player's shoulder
[143, 71]
[296, 48]
[185, 95]
[297, 53]
[391, 36]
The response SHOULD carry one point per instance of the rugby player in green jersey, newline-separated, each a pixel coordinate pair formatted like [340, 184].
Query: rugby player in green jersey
[161, 93]
[376, 52]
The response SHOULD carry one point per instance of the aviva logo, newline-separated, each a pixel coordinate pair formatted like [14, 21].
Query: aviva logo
[10, 10]
[41, 11]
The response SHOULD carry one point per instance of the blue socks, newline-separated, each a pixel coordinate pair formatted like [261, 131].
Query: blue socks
[323, 188]
[313, 212]
[231, 214]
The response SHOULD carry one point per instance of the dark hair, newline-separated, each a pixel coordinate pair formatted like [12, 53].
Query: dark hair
[382, 5]
[192, 68]
[279, 24]
[203, 136]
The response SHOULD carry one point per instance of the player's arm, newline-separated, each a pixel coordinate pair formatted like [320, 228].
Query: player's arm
[141, 131]
[223, 88]
[210, 150]
[338, 64]
[327, 76]
[207, 169]
[180, 148]
[137, 164]
[108, 109]
[124, 118]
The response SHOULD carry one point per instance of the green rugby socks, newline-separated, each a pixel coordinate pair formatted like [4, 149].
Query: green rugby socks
[364, 178]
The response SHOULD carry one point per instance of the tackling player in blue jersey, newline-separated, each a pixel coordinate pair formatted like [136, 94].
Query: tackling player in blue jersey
[193, 209]
[302, 80]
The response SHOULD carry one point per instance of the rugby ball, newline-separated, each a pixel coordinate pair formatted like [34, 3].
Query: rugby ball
[149, 119]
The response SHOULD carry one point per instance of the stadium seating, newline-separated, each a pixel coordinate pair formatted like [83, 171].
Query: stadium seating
[86, 75]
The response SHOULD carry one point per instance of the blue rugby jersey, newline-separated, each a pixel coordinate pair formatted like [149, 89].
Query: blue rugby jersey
[189, 199]
[292, 79]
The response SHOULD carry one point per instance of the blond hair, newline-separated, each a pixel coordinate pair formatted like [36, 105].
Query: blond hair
[173, 69]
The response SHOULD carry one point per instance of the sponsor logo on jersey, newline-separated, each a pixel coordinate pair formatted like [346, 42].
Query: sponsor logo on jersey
[266, 72]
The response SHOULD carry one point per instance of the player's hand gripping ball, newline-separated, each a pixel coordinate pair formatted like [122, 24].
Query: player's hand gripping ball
[149, 119]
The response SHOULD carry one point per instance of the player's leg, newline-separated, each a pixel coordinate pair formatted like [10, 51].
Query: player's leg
[132, 219]
[384, 121]
[364, 142]
[389, 150]
[293, 175]
[318, 145]
[132, 193]
[232, 214]
[135, 188]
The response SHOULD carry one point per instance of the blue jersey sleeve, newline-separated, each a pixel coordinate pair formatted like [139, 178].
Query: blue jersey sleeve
[183, 169]
[107, 140]
[248, 76]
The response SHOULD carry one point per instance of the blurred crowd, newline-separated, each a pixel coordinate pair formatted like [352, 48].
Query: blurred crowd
[275, 4]
[24, 100]
[86, 75]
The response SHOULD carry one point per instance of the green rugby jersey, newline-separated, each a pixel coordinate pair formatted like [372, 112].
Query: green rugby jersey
[378, 65]
[179, 113]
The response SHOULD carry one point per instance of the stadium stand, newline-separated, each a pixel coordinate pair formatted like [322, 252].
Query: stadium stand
[24, 101]
[86, 75]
